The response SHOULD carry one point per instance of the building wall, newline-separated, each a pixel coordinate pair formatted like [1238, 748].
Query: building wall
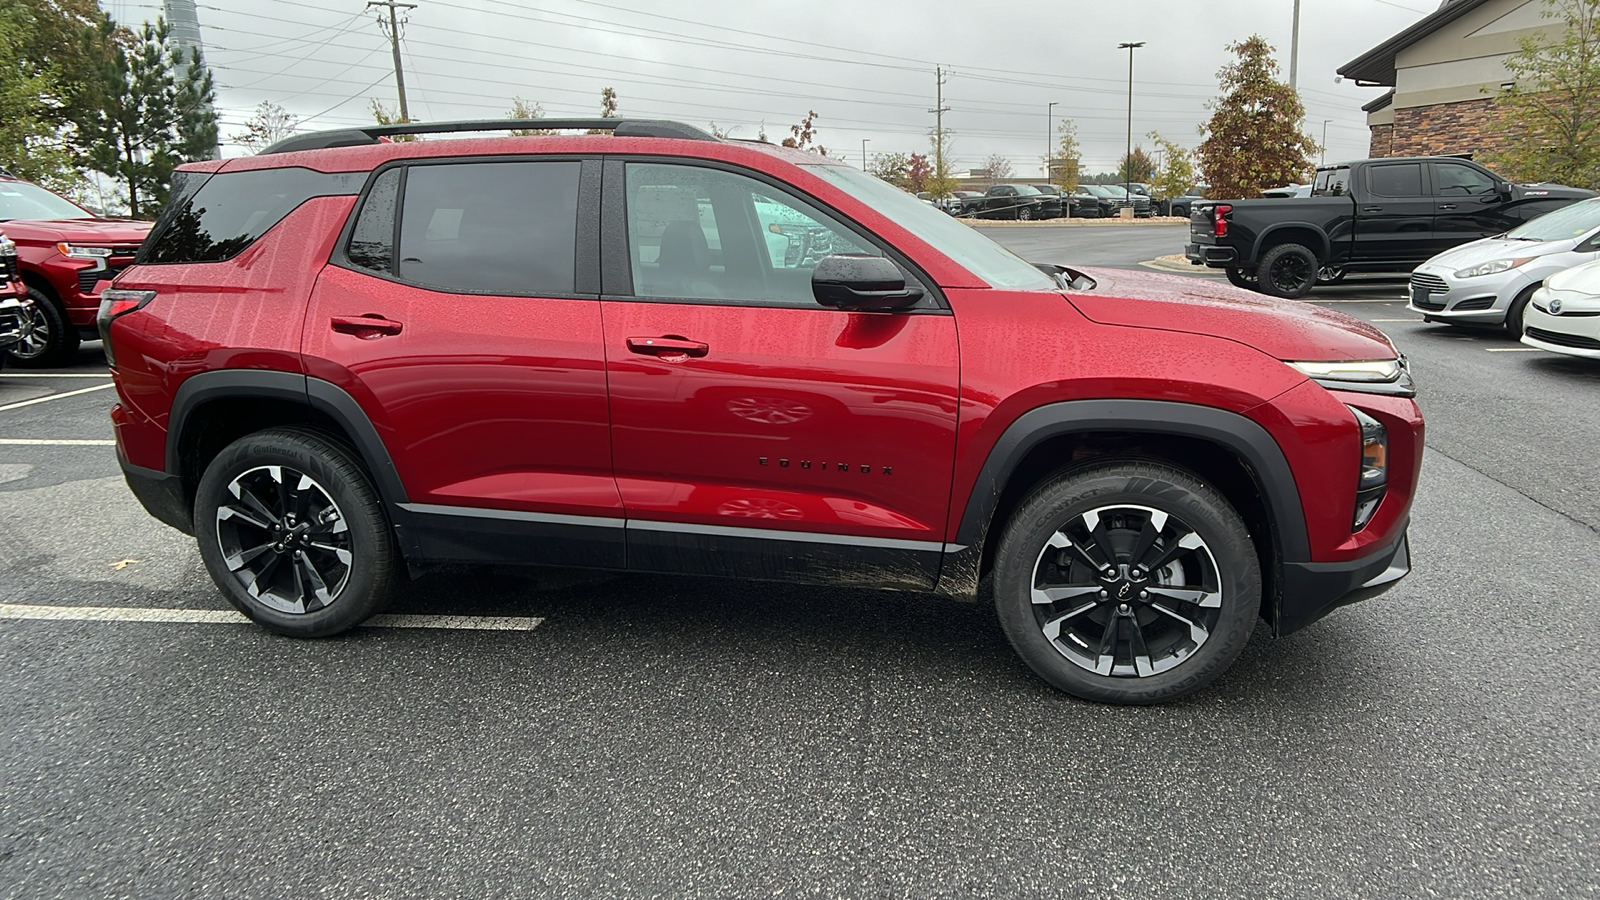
[1382, 141]
[1444, 129]
[1466, 57]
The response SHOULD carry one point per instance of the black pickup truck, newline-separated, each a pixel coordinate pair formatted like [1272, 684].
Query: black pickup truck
[1374, 215]
[1013, 201]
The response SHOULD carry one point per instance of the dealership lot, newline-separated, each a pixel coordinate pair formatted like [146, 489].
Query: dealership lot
[559, 732]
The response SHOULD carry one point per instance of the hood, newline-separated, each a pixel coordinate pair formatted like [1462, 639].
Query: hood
[50, 231]
[1584, 280]
[1282, 329]
[1559, 191]
[1491, 249]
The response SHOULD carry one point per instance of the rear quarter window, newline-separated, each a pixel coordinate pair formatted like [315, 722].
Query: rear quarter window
[216, 218]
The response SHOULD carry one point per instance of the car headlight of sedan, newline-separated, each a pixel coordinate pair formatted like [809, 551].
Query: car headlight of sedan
[1495, 267]
[1364, 376]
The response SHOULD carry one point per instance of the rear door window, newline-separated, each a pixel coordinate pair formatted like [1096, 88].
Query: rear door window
[1395, 180]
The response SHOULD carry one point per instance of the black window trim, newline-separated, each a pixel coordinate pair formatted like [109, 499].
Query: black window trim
[343, 180]
[586, 262]
[615, 254]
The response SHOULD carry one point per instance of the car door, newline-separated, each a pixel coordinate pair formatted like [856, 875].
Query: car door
[1395, 217]
[1468, 205]
[463, 316]
[754, 432]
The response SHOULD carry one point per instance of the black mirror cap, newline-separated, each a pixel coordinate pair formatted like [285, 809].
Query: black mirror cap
[850, 281]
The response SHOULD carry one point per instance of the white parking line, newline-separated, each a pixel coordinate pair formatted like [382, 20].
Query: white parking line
[228, 617]
[30, 442]
[1515, 349]
[20, 404]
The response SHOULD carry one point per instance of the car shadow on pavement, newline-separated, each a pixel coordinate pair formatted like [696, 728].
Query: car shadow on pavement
[1574, 368]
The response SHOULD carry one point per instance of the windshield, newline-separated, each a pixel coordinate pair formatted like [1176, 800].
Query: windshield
[21, 200]
[1565, 224]
[1024, 190]
[984, 258]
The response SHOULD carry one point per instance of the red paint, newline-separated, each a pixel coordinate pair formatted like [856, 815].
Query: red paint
[57, 275]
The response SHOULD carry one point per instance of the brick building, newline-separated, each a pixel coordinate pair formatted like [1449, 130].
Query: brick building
[1442, 73]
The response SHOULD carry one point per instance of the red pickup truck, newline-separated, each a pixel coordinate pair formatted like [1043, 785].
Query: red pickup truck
[63, 251]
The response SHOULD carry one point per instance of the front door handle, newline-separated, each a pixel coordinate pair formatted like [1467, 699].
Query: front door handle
[667, 345]
[1447, 206]
[370, 325]
[1372, 209]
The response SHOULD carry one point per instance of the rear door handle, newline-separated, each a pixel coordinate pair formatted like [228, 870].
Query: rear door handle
[370, 325]
[667, 345]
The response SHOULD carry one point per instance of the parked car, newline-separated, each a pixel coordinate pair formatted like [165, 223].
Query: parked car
[1287, 192]
[64, 251]
[15, 307]
[1083, 203]
[1142, 209]
[956, 203]
[1107, 203]
[1013, 201]
[1564, 315]
[1062, 205]
[530, 367]
[1490, 282]
[1183, 205]
[1374, 215]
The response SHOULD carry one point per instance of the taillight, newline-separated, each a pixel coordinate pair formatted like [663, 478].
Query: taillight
[115, 303]
[1219, 221]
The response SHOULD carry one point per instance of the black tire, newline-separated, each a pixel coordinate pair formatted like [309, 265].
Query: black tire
[1288, 271]
[1240, 278]
[1201, 549]
[284, 573]
[1518, 309]
[51, 342]
[1331, 275]
[1024, 214]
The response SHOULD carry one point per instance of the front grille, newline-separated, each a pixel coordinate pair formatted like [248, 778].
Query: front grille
[1474, 303]
[8, 268]
[10, 326]
[1425, 301]
[1433, 284]
[1563, 340]
[88, 278]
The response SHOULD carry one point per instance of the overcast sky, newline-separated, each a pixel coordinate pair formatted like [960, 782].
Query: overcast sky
[865, 66]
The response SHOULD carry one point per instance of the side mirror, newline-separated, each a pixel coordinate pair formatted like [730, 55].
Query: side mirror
[845, 281]
[1503, 190]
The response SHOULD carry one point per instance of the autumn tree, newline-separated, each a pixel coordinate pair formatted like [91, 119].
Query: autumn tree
[804, 135]
[1253, 140]
[1066, 168]
[1175, 175]
[522, 109]
[999, 167]
[269, 124]
[918, 171]
[1550, 114]
[890, 167]
[1136, 166]
[941, 176]
[608, 103]
[383, 115]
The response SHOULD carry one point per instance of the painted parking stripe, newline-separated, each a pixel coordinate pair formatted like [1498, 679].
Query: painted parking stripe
[22, 403]
[31, 442]
[1515, 349]
[228, 617]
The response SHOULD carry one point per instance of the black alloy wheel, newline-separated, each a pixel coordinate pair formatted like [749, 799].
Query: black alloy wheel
[1127, 582]
[48, 338]
[1288, 271]
[293, 533]
[1241, 278]
[1024, 213]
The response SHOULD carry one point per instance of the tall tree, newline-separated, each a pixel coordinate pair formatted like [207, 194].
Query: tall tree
[1136, 166]
[1551, 112]
[890, 167]
[941, 177]
[998, 166]
[918, 171]
[1066, 169]
[522, 109]
[269, 124]
[1253, 140]
[804, 135]
[1176, 173]
[608, 103]
[383, 115]
[194, 105]
[29, 143]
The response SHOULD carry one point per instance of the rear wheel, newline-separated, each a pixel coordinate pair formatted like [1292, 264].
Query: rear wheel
[48, 338]
[1331, 275]
[1127, 582]
[293, 533]
[1242, 278]
[1288, 271]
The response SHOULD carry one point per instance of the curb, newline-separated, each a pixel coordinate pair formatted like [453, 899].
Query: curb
[1072, 223]
[1177, 263]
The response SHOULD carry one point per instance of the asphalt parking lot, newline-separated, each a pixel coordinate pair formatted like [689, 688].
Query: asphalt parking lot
[556, 733]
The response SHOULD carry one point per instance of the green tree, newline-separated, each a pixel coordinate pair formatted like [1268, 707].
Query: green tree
[269, 124]
[1176, 172]
[1550, 115]
[941, 175]
[29, 146]
[1136, 166]
[1066, 169]
[56, 52]
[1253, 140]
[195, 123]
[522, 109]
[890, 167]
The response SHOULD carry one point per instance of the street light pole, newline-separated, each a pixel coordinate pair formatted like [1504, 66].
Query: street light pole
[1127, 159]
[864, 153]
[1324, 142]
[1294, 49]
[1049, 136]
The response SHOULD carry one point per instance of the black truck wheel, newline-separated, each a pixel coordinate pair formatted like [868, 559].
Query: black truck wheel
[1288, 271]
[1241, 278]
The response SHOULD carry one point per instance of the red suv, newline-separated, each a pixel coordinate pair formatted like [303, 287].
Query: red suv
[65, 252]
[657, 351]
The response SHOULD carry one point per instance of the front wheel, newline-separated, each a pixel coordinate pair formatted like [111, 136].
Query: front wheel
[294, 534]
[1241, 278]
[48, 338]
[1516, 313]
[1288, 271]
[1024, 214]
[1127, 582]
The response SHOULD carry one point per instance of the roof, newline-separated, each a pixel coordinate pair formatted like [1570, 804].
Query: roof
[1380, 103]
[1376, 66]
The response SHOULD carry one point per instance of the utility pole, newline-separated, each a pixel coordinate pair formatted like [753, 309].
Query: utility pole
[394, 45]
[1324, 142]
[1294, 49]
[1049, 136]
[939, 109]
[864, 153]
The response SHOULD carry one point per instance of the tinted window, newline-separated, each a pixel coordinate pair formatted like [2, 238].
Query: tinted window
[1396, 180]
[1332, 183]
[491, 227]
[231, 210]
[372, 239]
[1457, 180]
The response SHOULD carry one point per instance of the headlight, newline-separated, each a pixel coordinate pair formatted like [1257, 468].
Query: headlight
[1373, 481]
[1491, 268]
[1365, 376]
[84, 252]
[7, 248]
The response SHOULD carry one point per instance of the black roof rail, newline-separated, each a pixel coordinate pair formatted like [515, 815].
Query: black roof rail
[355, 137]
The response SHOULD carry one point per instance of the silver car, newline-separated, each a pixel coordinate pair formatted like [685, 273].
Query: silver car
[1490, 281]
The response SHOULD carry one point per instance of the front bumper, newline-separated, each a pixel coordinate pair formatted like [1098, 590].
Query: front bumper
[1312, 590]
[1482, 301]
[1574, 335]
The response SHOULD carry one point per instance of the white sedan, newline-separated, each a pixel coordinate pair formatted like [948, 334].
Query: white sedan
[1565, 314]
[1490, 281]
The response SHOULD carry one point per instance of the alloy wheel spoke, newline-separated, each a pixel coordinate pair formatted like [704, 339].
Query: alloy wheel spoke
[1153, 526]
[343, 555]
[1100, 539]
[249, 498]
[249, 517]
[1197, 632]
[237, 561]
[1052, 628]
[262, 578]
[1189, 541]
[1140, 652]
[1106, 658]
[1199, 597]
[1057, 594]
